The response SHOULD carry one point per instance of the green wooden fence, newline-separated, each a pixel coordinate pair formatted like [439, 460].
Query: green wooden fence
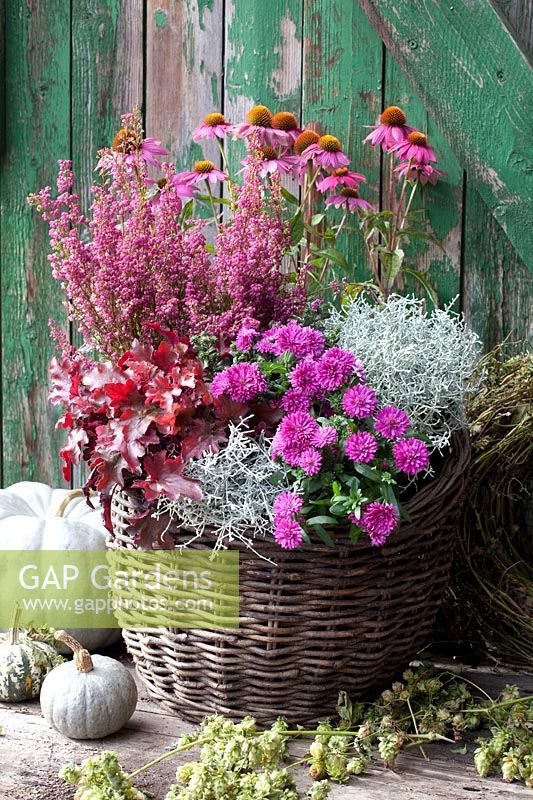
[70, 67]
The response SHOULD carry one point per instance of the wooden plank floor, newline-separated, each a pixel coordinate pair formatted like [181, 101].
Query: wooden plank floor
[31, 755]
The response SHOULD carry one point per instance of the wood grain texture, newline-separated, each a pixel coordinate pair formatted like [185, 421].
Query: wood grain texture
[480, 96]
[183, 73]
[37, 133]
[342, 74]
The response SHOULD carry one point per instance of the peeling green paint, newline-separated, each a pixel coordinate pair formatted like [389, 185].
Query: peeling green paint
[203, 5]
[214, 91]
[160, 16]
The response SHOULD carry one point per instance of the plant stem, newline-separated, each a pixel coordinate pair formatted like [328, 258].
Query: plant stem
[423, 752]
[212, 201]
[170, 753]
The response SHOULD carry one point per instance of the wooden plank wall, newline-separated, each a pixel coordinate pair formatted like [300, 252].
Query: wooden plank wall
[70, 67]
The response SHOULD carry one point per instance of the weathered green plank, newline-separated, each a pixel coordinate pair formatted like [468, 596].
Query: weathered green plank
[183, 73]
[442, 203]
[107, 76]
[37, 132]
[519, 15]
[480, 96]
[342, 93]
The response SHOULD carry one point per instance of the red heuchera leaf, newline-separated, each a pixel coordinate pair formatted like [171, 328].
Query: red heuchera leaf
[107, 472]
[202, 436]
[60, 381]
[100, 374]
[150, 533]
[123, 394]
[166, 478]
[128, 436]
[71, 452]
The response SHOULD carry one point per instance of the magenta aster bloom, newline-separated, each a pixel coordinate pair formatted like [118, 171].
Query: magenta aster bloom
[214, 125]
[246, 335]
[359, 401]
[304, 376]
[287, 504]
[243, 382]
[391, 129]
[292, 338]
[297, 431]
[310, 461]
[327, 153]
[379, 520]
[391, 422]
[361, 447]
[202, 171]
[295, 400]
[287, 533]
[335, 368]
[421, 173]
[325, 436]
[341, 177]
[272, 161]
[410, 455]
[348, 198]
[415, 147]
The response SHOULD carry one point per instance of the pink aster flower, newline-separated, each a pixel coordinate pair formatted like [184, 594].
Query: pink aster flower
[304, 376]
[295, 400]
[242, 382]
[272, 161]
[415, 147]
[410, 455]
[327, 153]
[297, 431]
[348, 198]
[310, 461]
[287, 504]
[335, 368]
[202, 171]
[391, 129]
[288, 533]
[361, 447]
[292, 338]
[421, 173]
[246, 335]
[341, 177]
[259, 121]
[325, 436]
[214, 125]
[391, 422]
[359, 401]
[379, 520]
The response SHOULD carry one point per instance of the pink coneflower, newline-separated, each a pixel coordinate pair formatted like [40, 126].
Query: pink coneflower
[272, 161]
[327, 153]
[410, 455]
[361, 447]
[242, 382]
[415, 147]
[287, 533]
[341, 177]
[391, 129]
[129, 144]
[259, 122]
[422, 173]
[202, 171]
[391, 422]
[285, 121]
[359, 402]
[348, 198]
[335, 368]
[214, 125]
[379, 520]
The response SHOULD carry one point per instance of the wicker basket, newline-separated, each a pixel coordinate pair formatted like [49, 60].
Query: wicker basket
[321, 620]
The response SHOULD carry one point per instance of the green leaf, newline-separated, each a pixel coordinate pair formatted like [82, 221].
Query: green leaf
[297, 227]
[367, 472]
[322, 519]
[335, 256]
[316, 219]
[324, 535]
[210, 247]
[393, 264]
[423, 281]
[461, 751]
[290, 198]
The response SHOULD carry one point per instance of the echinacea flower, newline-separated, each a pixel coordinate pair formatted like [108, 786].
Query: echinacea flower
[391, 129]
[410, 455]
[340, 177]
[272, 161]
[214, 125]
[304, 140]
[202, 171]
[361, 447]
[359, 401]
[348, 198]
[129, 145]
[286, 121]
[259, 122]
[379, 520]
[420, 173]
[391, 422]
[327, 153]
[242, 382]
[415, 147]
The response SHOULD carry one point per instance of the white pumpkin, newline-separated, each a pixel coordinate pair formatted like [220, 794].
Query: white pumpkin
[33, 516]
[89, 697]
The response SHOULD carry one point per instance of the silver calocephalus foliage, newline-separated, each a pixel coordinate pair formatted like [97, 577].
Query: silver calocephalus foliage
[420, 362]
[238, 492]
